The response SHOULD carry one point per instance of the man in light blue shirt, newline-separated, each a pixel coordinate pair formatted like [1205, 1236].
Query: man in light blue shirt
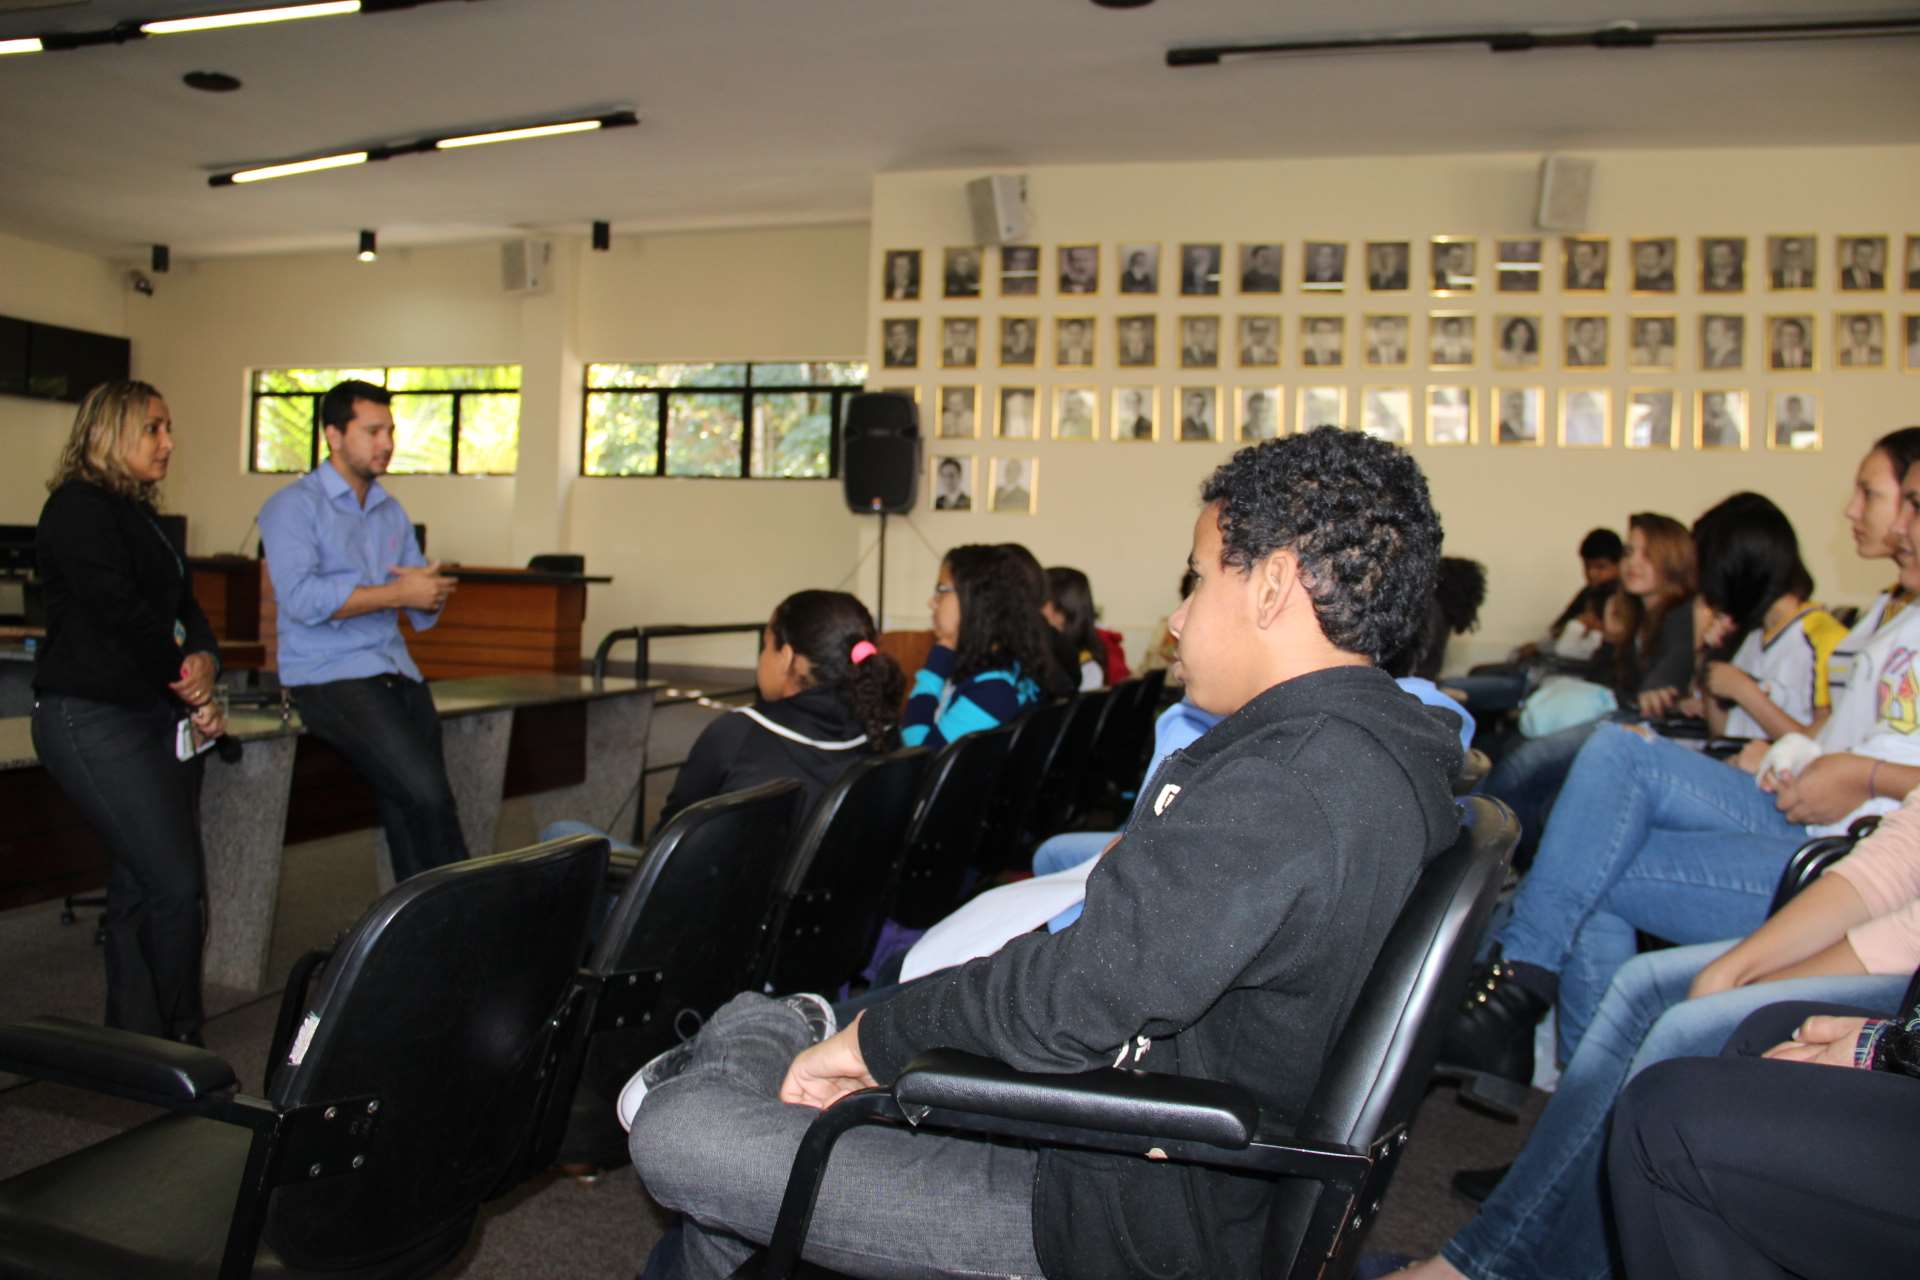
[344, 562]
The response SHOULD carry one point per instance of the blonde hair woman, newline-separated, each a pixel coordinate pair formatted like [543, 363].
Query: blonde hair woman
[128, 657]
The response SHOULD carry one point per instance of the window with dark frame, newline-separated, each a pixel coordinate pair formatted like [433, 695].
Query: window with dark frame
[731, 420]
[448, 419]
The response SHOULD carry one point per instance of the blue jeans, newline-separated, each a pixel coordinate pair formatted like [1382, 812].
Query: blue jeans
[1546, 1219]
[1492, 692]
[1646, 835]
[1529, 777]
[715, 1143]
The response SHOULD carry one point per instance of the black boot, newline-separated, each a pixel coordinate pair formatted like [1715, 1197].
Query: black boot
[1494, 1030]
[1477, 1184]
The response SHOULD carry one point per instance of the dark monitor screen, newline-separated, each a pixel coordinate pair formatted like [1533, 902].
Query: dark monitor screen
[13, 356]
[65, 364]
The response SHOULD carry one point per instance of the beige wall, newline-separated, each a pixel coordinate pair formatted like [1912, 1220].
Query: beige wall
[53, 286]
[1123, 512]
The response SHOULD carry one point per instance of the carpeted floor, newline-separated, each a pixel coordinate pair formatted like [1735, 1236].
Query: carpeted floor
[554, 1226]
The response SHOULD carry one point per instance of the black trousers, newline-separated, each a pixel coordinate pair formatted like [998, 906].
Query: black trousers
[1740, 1166]
[389, 732]
[117, 765]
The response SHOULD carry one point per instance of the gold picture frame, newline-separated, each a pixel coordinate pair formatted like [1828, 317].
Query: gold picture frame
[1653, 341]
[1201, 266]
[1076, 414]
[1653, 266]
[959, 342]
[1076, 270]
[1136, 415]
[1386, 340]
[1073, 350]
[1323, 266]
[905, 354]
[1791, 426]
[956, 285]
[1263, 267]
[1800, 275]
[1013, 356]
[1186, 428]
[1518, 265]
[1453, 339]
[904, 263]
[1716, 412]
[1257, 339]
[1653, 419]
[1586, 264]
[1386, 413]
[1389, 266]
[1454, 265]
[1140, 281]
[1577, 340]
[1849, 269]
[956, 499]
[1784, 356]
[1859, 341]
[1251, 422]
[1136, 341]
[1451, 420]
[1323, 342]
[1526, 430]
[1200, 341]
[1586, 418]
[1019, 270]
[1517, 340]
[962, 398]
[1723, 273]
[1722, 341]
[1015, 407]
[1319, 406]
[1015, 487]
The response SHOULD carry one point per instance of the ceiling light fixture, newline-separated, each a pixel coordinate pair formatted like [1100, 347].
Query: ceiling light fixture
[369, 246]
[1619, 35]
[547, 129]
[140, 29]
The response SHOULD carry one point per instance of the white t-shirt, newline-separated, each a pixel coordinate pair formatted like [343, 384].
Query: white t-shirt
[1879, 715]
[1793, 668]
[1855, 667]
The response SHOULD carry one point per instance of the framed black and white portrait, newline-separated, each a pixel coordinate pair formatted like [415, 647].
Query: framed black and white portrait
[1320, 407]
[1859, 340]
[1720, 420]
[1017, 416]
[1073, 342]
[1794, 421]
[1323, 342]
[1793, 262]
[952, 477]
[1519, 416]
[1019, 342]
[1139, 268]
[1259, 413]
[1323, 266]
[959, 342]
[900, 276]
[1584, 418]
[1584, 341]
[1655, 263]
[1651, 342]
[1386, 413]
[1016, 484]
[1199, 342]
[1079, 268]
[1585, 260]
[1910, 342]
[1199, 414]
[1723, 341]
[1076, 413]
[1450, 339]
[1651, 419]
[1200, 270]
[1913, 263]
[960, 272]
[1260, 267]
[1258, 338]
[900, 343]
[1389, 265]
[1389, 340]
[1137, 341]
[1019, 270]
[1723, 264]
[959, 414]
[1790, 342]
[1516, 341]
[1863, 263]
[1516, 267]
[1450, 415]
[1136, 414]
[1454, 264]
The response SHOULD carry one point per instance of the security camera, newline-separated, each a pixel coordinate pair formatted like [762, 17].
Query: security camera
[141, 285]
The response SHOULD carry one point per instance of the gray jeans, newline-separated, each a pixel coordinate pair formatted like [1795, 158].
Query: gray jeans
[715, 1143]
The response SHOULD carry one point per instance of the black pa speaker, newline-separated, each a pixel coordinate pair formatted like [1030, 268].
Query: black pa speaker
[880, 453]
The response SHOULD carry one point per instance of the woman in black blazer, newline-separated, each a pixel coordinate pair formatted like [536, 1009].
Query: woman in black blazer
[127, 666]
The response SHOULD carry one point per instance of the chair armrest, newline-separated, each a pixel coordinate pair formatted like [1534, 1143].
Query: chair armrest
[123, 1063]
[1111, 1100]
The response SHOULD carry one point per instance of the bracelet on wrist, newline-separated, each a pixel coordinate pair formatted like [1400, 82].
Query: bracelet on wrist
[1867, 1044]
[1873, 778]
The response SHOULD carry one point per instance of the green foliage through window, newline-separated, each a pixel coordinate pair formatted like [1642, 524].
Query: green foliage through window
[737, 420]
[462, 419]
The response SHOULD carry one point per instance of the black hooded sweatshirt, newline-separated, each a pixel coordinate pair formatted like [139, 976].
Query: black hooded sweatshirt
[1225, 937]
[811, 738]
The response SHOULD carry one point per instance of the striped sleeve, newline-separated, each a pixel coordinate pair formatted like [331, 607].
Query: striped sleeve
[1824, 633]
[918, 721]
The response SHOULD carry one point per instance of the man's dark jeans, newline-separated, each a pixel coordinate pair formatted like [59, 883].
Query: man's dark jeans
[389, 732]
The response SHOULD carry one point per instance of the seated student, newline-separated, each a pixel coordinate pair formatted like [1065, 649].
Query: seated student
[1641, 816]
[1062, 677]
[1793, 1161]
[1851, 936]
[1316, 803]
[1070, 611]
[989, 650]
[1501, 687]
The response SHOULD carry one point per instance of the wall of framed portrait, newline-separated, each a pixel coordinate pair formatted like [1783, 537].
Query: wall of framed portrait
[1713, 329]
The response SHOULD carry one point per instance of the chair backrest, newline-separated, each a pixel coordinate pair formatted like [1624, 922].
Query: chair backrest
[832, 893]
[1811, 860]
[949, 821]
[1473, 771]
[429, 1035]
[1377, 1072]
[1033, 737]
[1058, 802]
[558, 562]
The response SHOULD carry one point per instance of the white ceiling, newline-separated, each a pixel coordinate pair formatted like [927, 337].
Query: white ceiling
[771, 111]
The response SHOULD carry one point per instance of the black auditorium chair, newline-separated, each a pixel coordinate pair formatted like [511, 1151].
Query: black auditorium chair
[1330, 1170]
[833, 892]
[683, 938]
[1112, 738]
[1473, 771]
[409, 1094]
[1056, 806]
[949, 822]
[1811, 859]
[1033, 737]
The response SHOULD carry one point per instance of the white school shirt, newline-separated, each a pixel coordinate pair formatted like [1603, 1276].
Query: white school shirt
[1880, 714]
[1791, 668]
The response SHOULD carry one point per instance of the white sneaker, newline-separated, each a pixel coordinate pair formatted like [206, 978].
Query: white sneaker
[662, 1066]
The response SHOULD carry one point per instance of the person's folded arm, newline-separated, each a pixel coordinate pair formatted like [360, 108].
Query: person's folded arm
[305, 592]
[78, 541]
[917, 727]
[1814, 922]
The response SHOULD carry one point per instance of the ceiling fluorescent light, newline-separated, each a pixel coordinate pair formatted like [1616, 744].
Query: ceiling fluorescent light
[25, 44]
[250, 17]
[265, 172]
[515, 135]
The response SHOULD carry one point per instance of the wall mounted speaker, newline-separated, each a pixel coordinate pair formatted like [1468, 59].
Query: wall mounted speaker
[1566, 187]
[880, 453]
[1000, 211]
[526, 266]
